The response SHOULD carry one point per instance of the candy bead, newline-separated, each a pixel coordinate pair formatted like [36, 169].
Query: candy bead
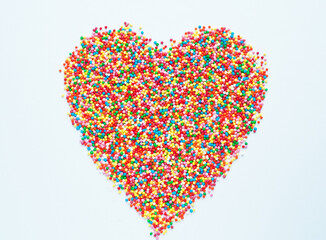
[164, 123]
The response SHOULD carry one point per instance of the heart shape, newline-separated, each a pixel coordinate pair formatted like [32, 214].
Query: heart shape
[164, 125]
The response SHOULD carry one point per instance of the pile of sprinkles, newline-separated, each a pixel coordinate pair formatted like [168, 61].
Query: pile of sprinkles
[164, 123]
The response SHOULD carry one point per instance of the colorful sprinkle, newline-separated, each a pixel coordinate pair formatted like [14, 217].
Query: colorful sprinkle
[164, 123]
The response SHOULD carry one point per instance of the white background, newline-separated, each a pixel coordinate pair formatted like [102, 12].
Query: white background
[49, 187]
